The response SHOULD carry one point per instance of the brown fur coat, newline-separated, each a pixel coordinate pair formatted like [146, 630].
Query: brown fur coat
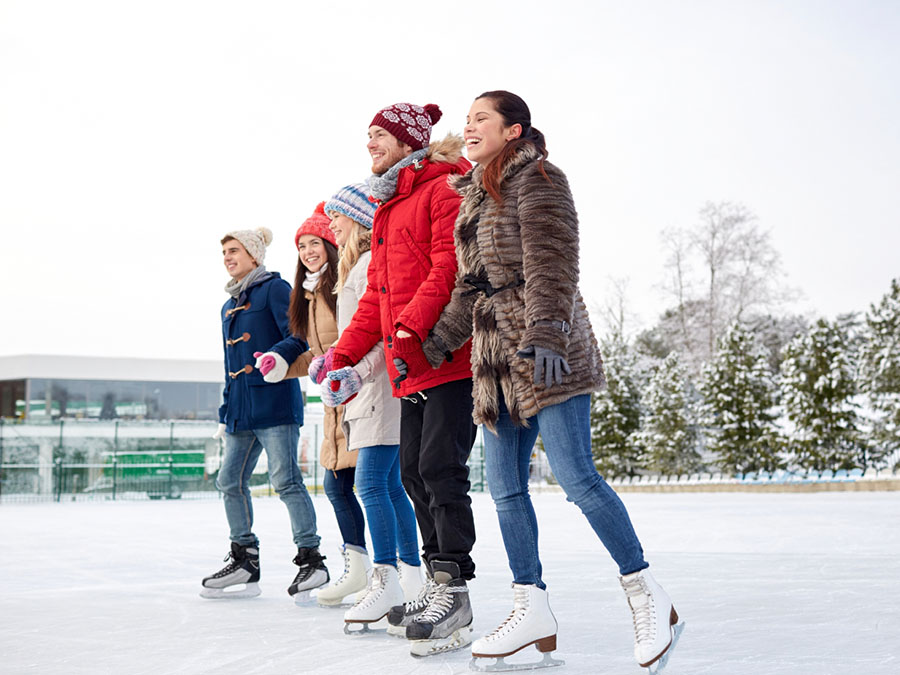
[532, 234]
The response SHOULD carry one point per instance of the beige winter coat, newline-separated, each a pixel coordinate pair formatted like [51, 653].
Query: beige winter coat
[531, 235]
[321, 334]
[373, 417]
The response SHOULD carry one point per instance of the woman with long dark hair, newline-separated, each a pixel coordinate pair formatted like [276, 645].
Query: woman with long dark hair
[312, 316]
[535, 362]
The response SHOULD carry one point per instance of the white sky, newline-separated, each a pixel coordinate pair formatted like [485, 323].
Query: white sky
[134, 135]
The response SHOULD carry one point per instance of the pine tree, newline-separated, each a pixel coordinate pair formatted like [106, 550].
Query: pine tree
[818, 386]
[616, 414]
[739, 397]
[668, 435]
[879, 374]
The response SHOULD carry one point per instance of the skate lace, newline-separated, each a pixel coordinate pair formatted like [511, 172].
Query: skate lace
[421, 600]
[643, 612]
[520, 605]
[229, 568]
[374, 591]
[346, 571]
[440, 603]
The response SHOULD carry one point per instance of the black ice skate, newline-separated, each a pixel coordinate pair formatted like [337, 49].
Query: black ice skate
[239, 578]
[446, 622]
[312, 574]
[401, 616]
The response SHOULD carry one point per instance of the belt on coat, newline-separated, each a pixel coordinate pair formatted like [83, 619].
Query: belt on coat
[481, 285]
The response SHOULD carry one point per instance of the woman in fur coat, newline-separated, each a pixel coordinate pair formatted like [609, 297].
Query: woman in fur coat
[312, 315]
[535, 363]
[372, 427]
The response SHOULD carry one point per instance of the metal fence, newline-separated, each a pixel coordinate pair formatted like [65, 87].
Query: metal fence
[73, 460]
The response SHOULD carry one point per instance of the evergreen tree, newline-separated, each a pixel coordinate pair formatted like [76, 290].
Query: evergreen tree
[668, 436]
[818, 386]
[880, 372]
[739, 397]
[616, 414]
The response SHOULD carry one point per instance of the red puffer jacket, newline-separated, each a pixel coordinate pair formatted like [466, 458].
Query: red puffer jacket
[413, 267]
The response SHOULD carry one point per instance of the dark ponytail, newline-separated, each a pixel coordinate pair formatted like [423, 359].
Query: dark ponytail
[513, 110]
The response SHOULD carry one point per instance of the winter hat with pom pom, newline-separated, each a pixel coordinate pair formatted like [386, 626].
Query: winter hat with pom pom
[255, 241]
[409, 123]
[317, 225]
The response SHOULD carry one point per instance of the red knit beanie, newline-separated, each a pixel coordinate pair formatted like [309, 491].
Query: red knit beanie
[316, 225]
[409, 123]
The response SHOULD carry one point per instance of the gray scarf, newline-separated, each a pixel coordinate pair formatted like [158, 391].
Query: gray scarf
[234, 288]
[384, 186]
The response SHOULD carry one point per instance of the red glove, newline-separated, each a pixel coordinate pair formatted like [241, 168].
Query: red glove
[409, 350]
[339, 360]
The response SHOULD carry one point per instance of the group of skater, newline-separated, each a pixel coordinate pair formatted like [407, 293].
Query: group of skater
[439, 295]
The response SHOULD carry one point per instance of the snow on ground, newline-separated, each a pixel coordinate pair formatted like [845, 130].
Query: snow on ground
[768, 584]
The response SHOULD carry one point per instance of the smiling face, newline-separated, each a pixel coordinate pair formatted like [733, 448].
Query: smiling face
[342, 226]
[385, 149]
[485, 132]
[311, 250]
[237, 261]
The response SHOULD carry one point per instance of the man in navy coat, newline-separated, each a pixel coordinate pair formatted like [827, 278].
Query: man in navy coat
[257, 415]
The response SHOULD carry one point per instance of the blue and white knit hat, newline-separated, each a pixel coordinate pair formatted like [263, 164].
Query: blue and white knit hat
[353, 202]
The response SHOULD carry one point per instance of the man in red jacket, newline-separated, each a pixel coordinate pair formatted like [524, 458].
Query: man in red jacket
[410, 279]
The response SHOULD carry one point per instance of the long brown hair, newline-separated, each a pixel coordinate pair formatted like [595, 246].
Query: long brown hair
[513, 110]
[298, 310]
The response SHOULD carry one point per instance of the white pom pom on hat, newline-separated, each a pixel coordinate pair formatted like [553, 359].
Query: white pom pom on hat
[255, 241]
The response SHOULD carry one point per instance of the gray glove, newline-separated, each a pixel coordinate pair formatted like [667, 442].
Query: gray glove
[548, 365]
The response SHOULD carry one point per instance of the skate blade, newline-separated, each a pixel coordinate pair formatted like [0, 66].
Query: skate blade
[397, 631]
[250, 590]
[656, 668]
[303, 598]
[478, 664]
[357, 628]
[459, 639]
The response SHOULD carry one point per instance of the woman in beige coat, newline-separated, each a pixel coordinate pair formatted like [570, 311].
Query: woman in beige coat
[312, 315]
[372, 426]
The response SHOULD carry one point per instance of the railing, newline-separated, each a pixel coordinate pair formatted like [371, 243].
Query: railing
[73, 460]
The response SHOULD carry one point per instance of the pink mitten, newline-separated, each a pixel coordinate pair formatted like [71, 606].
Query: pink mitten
[264, 362]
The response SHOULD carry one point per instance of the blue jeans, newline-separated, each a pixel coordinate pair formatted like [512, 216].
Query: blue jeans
[339, 488]
[392, 522]
[242, 450]
[566, 434]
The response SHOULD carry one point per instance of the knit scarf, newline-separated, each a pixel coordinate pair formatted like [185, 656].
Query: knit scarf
[311, 282]
[384, 186]
[235, 288]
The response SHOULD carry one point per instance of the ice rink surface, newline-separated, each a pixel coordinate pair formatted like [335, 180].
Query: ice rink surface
[769, 584]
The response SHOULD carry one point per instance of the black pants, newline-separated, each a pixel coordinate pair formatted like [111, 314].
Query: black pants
[436, 437]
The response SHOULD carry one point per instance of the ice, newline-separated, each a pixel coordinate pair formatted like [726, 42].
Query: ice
[768, 584]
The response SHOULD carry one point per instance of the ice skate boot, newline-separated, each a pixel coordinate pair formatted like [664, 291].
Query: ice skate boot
[656, 627]
[446, 622]
[354, 578]
[401, 616]
[312, 574]
[384, 592]
[239, 578]
[530, 623]
[410, 580]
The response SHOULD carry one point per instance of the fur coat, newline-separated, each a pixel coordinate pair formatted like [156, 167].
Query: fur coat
[522, 255]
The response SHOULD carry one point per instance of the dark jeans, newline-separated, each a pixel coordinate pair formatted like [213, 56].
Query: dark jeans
[339, 488]
[436, 437]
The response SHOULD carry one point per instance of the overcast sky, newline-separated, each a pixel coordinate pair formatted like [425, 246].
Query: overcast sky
[133, 135]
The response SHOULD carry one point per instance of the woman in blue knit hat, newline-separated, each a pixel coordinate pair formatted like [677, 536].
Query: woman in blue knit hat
[372, 426]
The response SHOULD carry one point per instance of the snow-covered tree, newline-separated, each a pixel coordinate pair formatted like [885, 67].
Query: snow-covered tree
[879, 375]
[738, 404]
[818, 386]
[616, 414]
[668, 436]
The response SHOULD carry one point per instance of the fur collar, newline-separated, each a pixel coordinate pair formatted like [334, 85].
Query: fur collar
[469, 186]
[447, 150]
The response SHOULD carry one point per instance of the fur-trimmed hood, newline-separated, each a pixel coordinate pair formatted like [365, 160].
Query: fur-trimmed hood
[448, 150]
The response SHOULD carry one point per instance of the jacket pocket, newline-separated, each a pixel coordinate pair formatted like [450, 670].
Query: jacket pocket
[416, 250]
